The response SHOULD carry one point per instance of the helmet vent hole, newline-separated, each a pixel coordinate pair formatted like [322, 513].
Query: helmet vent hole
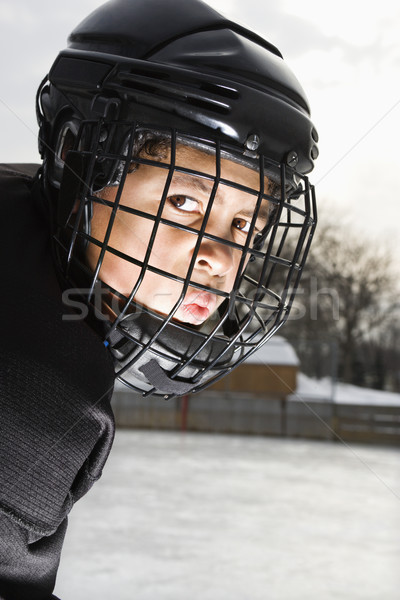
[205, 95]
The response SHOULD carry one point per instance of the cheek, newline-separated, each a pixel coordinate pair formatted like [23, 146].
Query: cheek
[172, 249]
[130, 235]
[114, 271]
[171, 253]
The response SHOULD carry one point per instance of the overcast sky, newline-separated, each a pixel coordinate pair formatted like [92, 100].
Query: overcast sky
[345, 53]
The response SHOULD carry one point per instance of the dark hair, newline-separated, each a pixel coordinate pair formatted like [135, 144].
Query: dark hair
[150, 143]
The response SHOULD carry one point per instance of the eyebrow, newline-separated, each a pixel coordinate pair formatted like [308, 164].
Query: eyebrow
[201, 185]
[206, 185]
[263, 212]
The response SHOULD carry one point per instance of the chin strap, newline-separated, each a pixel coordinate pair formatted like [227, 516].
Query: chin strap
[162, 382]
[154, 373]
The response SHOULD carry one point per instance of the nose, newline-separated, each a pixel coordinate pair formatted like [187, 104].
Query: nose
[215, 258]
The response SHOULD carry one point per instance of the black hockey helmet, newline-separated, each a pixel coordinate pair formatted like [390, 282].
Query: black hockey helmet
[139, 74]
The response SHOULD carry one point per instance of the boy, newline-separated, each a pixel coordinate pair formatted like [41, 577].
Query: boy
[161, 242]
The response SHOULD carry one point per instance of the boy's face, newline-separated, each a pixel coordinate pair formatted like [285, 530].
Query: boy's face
[216, 264]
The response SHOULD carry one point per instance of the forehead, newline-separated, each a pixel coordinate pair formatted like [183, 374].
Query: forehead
[206, 162]
[199, 166]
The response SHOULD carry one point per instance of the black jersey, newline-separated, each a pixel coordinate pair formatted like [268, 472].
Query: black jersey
[56, 381]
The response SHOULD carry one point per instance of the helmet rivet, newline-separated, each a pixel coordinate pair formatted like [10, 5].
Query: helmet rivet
[252, 142]
[292, 159]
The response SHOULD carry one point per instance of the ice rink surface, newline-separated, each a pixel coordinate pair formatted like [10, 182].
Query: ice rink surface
[220, 517]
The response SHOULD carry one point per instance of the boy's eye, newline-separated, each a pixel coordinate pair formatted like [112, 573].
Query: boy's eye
[184, 203]
[242, 225]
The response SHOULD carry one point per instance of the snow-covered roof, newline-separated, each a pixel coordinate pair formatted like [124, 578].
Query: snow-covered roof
[277, 351]
[341, 393]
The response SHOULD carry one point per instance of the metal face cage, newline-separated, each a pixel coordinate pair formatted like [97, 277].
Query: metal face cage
[156, 348]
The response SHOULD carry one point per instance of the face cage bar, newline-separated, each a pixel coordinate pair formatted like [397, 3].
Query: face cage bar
[264, 287]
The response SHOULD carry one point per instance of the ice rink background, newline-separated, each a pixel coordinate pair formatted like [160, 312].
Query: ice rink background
[212, 517]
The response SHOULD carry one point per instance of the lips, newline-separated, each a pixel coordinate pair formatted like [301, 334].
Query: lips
[197, 307]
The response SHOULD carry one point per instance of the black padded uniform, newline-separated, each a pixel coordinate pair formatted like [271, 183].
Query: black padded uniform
[56, 380]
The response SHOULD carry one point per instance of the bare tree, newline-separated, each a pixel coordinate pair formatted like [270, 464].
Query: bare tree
[349, 292]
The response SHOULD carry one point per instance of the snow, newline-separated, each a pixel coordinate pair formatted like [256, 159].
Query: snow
[277, 351]
[341, 393]
[212, 517]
